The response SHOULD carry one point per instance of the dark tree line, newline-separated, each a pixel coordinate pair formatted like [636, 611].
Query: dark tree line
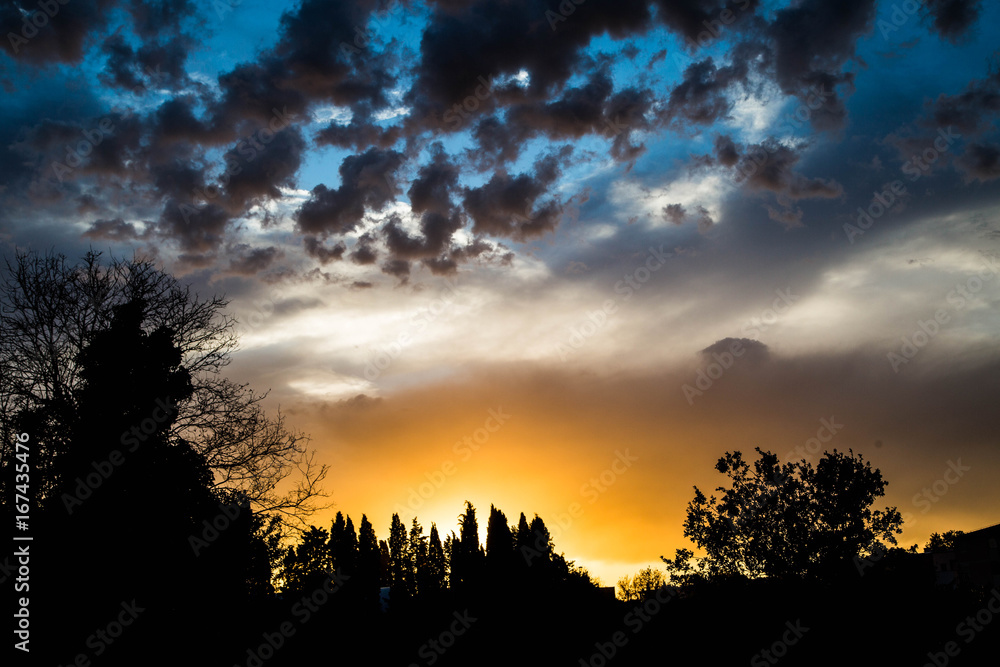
[417, 567]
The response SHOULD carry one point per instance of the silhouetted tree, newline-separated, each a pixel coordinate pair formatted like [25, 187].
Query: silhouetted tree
[134, 507]
[791, 520]
[52, 310]
[499, 543]
[307, 564]
[436, 571]
[384, 562]
[418, 557]
[368, 564]
[468, 558]
[644, 583]
[400, 562]
[450, 553]
[539, 548]
[343, 545]
[943, 541]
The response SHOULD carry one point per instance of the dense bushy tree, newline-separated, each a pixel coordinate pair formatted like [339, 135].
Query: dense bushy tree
[943, 541]
[644, 583]
[307, 564]
[790, 520]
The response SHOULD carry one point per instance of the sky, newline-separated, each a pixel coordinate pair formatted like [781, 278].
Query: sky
[556, 257]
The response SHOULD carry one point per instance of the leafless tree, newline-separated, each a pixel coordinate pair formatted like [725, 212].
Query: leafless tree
[49, 309]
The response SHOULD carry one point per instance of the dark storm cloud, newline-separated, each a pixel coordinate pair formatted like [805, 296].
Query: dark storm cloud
[151, 18]
[701, 97]
[400, 268]
[152, 66]
[980, 162]
[363, 252]
[111, 230]
[770, 166]
[811, 42]
[254, 173]
[952, 18]
[431, 191]
[358, 134]
[726, 151]
[436, 231]
[591, 109]
[198, 230]
[251, 261]
[306, 66]
[316, 249]
[367, 181]
[509, 206]
[691, 18]
[39, 38]
[484, 39]
[971, 111]
[674, 213]
[64, 150]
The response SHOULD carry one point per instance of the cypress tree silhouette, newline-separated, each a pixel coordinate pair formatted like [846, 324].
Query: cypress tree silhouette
[468, 562]
[418, 558]
[384, 560]
[368, 565]
[436, 564]
[500, 569]
[400, 563]
[343, 545]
